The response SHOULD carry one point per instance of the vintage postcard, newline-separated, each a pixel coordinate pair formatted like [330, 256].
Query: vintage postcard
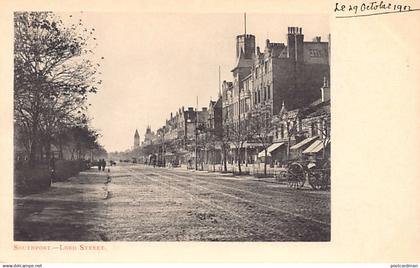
[210, 132]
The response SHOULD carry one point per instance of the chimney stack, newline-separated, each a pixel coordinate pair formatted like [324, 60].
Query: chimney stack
[317, 39]
[325, 90]
[295, 44]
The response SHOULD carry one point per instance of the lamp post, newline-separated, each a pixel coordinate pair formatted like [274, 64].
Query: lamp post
[196, 147]
[196, 134]
[163, 146]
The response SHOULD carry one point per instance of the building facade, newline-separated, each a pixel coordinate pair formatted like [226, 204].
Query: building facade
[286, 84]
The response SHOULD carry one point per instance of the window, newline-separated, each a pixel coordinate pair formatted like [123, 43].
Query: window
[315, 53]
[282, 131]
[313, 129]
[268, 92]
[266, 67]
[321, 127]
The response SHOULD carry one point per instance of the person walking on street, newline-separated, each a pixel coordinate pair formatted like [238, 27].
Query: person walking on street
[99, 164]
[52, 169]
[103, 164]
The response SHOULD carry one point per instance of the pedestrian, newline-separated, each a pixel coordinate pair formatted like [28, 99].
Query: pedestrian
[52, 168]
[103, 164]
[99, 164]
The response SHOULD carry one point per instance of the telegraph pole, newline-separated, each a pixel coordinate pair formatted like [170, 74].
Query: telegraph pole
[196, 135]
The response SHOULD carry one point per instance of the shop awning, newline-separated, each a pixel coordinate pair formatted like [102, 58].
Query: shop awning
[314, 147]
[182, 152]
[252, 144]
[303, 143]
[270, 149]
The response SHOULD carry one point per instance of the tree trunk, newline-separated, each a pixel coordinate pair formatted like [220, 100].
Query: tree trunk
[47, 149]
[224, 160]
[238, 158]
[60, 149]
[265, 162]
[34, 144]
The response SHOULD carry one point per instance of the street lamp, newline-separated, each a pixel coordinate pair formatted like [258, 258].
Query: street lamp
[163, 147]
[196, 148]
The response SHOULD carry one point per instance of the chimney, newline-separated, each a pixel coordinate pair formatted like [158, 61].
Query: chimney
[325, 90]
[295, 44]
[171, 116]
[317, 39]
[290, 43]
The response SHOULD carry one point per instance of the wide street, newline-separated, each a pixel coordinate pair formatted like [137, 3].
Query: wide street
[142, 203]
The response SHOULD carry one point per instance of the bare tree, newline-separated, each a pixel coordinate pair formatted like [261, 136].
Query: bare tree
[239, 133]
[223, 138]
[290, 122]
[262, 128]
[53, 75]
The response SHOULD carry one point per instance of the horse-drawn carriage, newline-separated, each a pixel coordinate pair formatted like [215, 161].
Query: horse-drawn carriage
[316, 173]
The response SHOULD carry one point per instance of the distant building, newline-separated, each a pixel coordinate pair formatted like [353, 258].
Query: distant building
[136, 140]
[148, 136]
[214, 121]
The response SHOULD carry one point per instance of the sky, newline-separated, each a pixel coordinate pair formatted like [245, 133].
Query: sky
[155, 63]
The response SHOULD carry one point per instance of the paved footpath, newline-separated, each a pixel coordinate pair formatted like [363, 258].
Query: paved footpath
[142, 203]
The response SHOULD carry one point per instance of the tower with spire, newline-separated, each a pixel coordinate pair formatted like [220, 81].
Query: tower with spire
[136, 139]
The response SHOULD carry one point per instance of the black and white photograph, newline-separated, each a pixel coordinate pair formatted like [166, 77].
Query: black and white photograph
[209, 132]
[158, 127]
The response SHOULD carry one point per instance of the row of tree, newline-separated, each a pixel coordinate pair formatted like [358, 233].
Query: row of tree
[258, 127]
[54, 71]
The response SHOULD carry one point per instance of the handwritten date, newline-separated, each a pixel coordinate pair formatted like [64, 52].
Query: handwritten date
[371, 6]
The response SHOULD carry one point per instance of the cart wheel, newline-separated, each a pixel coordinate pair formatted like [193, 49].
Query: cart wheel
[296, 176]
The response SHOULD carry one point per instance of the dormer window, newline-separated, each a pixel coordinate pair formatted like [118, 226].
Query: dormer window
[315, 53]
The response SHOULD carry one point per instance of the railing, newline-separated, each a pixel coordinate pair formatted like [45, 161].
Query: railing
[256, 170]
